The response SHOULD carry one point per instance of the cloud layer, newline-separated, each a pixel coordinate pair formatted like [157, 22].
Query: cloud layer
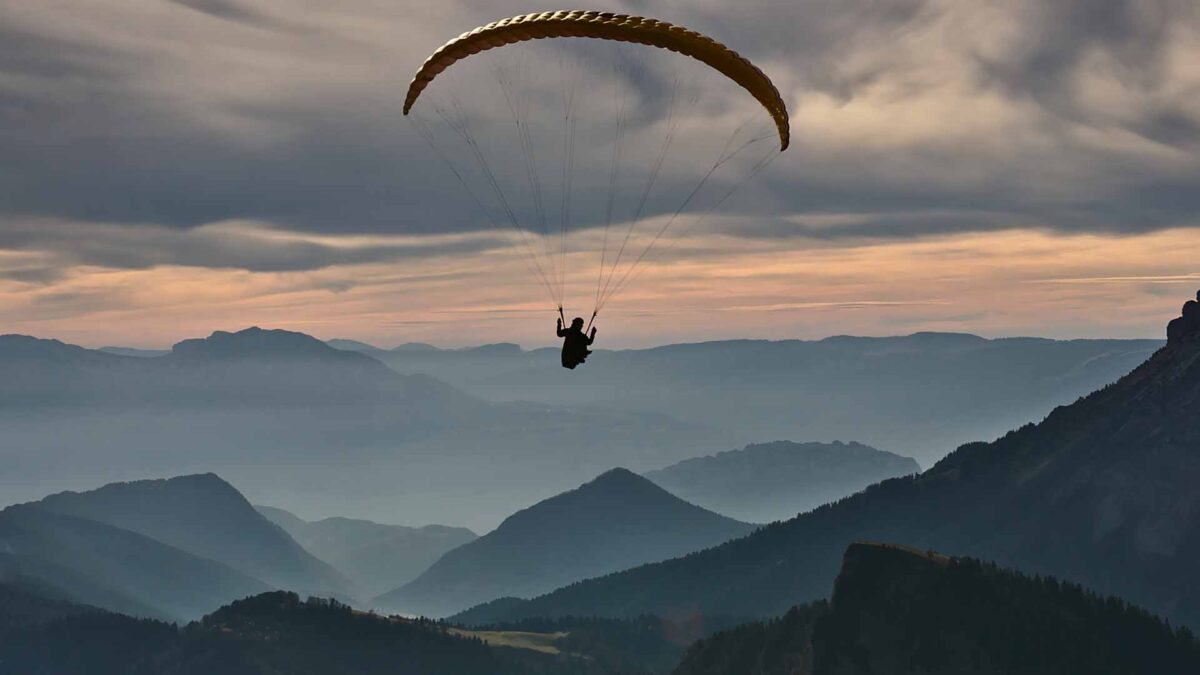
[263, 138]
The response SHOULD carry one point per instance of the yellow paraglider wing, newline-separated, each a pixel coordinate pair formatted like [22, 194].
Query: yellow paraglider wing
[607, 26]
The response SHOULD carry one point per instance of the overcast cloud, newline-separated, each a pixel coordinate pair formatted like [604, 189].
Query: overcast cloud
[266, 136]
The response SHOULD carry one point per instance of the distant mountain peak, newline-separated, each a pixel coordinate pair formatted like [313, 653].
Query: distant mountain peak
[615, 486]
[259, 343]
[617, 520]
[615, 476]
[415, 347]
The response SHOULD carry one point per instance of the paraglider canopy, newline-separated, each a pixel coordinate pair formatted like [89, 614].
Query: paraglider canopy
[607, 26]
[625, 132]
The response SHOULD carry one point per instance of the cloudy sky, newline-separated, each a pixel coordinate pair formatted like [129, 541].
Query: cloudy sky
[173, 167]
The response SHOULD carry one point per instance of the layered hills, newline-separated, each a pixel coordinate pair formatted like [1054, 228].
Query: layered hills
[375, 556]
[94, 563]
[613, 522]
[355, 435]
[207, 517]
[919, 395]
[1101, 492]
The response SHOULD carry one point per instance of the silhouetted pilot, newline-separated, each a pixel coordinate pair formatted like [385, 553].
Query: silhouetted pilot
[575, 345]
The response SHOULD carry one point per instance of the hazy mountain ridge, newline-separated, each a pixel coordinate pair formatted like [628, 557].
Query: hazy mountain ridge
[98, 564]
[355, 435]
[897, 610]
[134, 351]
[1101, 493]
[271, 367]
[376, 557]
[920, 395]
[613, 522]
[429, 445]
[764, 482]
[39, 374]
[207, 517]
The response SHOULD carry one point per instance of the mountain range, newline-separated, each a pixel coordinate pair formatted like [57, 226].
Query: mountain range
[1102, 492]
[358, 437]
[376, 557]
[223, 370]
[919, 395]
[613, 522]
[765, 482]
[354, 435]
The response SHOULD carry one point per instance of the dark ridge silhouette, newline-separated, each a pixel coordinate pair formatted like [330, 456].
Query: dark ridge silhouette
[498, 612]
[1186, 328]
[28, 601]
[86, 641]
[903, 611]
[98, 564]
[1099, 493]
[615, 521]
[772, 481]
[376, 557]
[205, 516]
[270, 633]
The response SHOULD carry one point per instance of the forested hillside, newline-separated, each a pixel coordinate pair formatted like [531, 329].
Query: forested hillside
[901, 611]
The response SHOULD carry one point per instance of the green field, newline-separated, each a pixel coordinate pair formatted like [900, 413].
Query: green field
[538, 642]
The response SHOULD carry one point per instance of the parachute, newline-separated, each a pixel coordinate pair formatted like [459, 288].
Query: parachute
[623, 134]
